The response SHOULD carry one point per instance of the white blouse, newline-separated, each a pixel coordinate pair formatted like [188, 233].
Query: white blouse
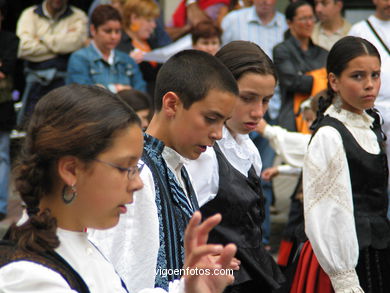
[328, 204]
[291, 146]
[27, 276]
[96, 271]
[240, 151]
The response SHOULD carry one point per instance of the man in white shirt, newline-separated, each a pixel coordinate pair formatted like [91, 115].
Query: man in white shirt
[380, 22]
[331, 26]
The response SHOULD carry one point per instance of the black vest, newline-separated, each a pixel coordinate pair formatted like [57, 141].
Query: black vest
[240, 200]
[369, 180]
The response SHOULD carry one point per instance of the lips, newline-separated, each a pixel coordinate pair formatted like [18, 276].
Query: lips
[202, 148]
[122, 209]
[250, 125]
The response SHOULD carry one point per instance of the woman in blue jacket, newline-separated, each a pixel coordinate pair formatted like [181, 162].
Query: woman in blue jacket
[100, 63]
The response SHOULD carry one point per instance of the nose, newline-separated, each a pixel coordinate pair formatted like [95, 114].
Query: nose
[135, 184]
[318, 8]
[259, 111]
[370, 83]
[216, 133]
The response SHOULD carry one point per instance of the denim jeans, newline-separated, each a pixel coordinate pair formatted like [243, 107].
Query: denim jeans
[5, 168]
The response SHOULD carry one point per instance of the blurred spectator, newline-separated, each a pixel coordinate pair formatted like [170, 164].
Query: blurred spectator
[206, 36]
[331, 25]
[139, 22]
[190, 12]
[8, 50]
[141, 103]
[300, 65]
[48, 33]
[100, 63]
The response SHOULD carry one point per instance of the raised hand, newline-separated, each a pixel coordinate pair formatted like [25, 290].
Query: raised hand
[206, 265]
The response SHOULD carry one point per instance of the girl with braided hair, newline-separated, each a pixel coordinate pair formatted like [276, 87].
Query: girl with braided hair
[345, 181]
[78, 169]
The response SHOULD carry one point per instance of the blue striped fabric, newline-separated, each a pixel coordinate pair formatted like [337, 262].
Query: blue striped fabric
[174, 210]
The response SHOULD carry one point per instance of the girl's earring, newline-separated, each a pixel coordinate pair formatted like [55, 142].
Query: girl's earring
[69, 193]
[337, 103]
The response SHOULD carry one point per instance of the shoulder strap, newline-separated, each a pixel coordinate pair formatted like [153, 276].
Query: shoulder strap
[378, 37]
[52, 260]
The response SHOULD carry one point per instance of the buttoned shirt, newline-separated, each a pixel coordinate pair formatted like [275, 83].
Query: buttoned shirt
[327, 39]
[244, 24]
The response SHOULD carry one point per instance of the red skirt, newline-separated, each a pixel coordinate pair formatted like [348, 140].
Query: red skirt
[309, 276]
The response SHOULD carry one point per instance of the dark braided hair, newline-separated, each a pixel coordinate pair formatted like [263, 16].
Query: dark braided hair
[74, 120]
[342, 52]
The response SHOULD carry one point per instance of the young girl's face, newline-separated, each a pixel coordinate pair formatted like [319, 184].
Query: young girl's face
[209, 45]
[255, 92]
[104, 190]
[358, 85]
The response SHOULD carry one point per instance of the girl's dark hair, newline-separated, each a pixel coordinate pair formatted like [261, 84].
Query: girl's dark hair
[136, 99]
[74, 120]
[241, 57]
[206, 30]
[342, 52]
[291, 9]
[103, 13]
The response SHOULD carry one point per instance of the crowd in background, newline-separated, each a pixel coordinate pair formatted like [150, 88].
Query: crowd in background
[107, 43]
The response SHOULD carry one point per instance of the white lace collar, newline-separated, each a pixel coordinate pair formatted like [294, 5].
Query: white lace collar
[351, 119]
[240, 151]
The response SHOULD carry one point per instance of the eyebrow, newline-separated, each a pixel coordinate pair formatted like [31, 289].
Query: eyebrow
[212, 112]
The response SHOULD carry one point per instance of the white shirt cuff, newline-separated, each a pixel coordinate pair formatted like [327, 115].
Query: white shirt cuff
[346, 282]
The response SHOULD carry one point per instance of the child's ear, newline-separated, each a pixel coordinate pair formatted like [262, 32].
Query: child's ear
[67, 169]
[92, 30]
[333, 82]
[170, 103]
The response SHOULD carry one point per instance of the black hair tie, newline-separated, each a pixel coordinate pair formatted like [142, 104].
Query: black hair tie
[31, 211]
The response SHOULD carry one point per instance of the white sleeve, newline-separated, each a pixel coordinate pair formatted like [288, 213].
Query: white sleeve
[27, 276]
[288, 170]
[204, 176]
[328, 208]
[291, 146]
[132, 246]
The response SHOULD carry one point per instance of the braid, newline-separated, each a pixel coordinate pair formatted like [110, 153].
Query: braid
[64, 123]
[39, 232]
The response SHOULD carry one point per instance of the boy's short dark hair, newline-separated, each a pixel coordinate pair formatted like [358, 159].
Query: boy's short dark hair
[191, 74]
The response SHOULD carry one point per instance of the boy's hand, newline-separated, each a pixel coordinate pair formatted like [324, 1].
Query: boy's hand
[203, 257]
